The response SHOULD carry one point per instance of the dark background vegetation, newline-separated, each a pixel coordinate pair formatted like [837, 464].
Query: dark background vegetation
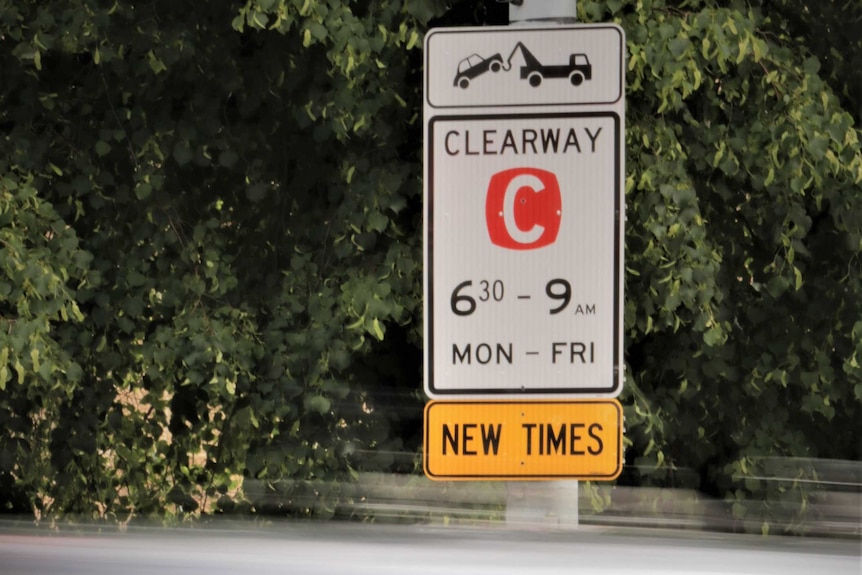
[210, 247]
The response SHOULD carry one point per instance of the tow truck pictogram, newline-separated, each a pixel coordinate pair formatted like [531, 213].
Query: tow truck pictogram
[577, 70]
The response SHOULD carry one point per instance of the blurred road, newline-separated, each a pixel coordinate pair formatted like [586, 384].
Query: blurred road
[317, 549]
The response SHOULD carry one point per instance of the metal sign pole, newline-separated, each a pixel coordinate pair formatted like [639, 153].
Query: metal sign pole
[553, 503]
[525, 12]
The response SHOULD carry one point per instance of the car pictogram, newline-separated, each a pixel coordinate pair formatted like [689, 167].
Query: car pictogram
[474, 66]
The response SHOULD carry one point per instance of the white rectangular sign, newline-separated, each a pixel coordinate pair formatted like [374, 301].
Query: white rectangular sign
[493, 67]
[523, 215]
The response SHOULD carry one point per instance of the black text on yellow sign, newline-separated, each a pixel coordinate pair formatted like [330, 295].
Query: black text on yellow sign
[482, 440]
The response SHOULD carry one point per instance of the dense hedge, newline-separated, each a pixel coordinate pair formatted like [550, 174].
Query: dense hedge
[210, 248]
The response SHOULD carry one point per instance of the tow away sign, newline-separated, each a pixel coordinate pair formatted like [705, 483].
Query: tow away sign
[537, 440]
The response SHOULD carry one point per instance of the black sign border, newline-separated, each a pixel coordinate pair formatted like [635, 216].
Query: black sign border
[582, 392]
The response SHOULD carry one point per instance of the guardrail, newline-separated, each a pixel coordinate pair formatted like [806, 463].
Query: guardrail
[834, 510]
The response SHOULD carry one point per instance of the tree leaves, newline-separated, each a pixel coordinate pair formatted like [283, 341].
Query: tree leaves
[210, 249]
[748, 125]
[206, 252]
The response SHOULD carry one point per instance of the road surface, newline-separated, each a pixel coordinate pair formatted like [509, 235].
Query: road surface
[330, 549]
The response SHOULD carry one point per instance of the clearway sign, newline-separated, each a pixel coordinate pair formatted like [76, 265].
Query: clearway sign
[524, 212]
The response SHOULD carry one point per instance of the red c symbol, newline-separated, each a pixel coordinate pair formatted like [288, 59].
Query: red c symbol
[523, 208]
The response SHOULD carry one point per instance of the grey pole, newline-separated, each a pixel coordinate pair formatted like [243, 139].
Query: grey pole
[549, 11]
[549, 503]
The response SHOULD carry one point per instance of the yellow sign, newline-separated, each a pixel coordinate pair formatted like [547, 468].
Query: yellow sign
[480, 440]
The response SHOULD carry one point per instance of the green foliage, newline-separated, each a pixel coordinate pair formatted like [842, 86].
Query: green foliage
[210, 255]
[744, 199]
[206, 228]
